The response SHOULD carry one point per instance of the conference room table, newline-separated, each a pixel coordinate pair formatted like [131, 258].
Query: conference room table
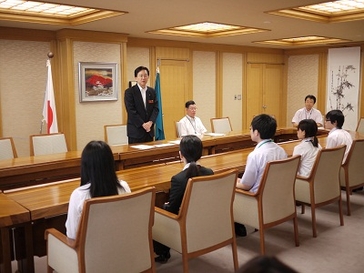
[131, 156]
[34, 170]
[12, 215]
[51, 200]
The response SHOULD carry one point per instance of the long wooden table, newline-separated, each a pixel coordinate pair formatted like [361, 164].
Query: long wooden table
[34, 170]
[51, 201]
[11, 215]
[167, 151]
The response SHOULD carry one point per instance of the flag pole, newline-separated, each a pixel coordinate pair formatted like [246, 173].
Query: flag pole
[50, 55]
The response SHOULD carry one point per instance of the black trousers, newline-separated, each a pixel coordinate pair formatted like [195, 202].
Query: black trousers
[160, 249]
[145, 138]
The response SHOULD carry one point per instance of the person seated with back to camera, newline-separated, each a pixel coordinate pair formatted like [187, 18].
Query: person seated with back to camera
[190, 124]
[190, 152]
[262, 130]
[308, 147]
[98, 178]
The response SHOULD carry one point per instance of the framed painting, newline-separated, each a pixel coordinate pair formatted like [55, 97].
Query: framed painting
[98, 81]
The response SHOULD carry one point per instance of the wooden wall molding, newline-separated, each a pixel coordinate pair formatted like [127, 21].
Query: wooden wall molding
[91, 36]
[10, 33]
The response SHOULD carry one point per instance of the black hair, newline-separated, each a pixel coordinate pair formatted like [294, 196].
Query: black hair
[188, 103]
[98, 169]
[140, 68]
[310, 128]
[312, 97]
[191, 149]
[336, 116]
[266, 125]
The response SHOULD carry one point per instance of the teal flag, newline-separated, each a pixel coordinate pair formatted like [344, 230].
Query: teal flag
[159, 130]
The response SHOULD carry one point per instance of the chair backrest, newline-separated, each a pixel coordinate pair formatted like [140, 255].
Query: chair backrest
[360, 127]
[354, 164]
[115, 233]
[208, 202]
[7, 148]
[178, 129]
[115, 134]
[325, 173]
[221, 125]
[276, 190]
[48, 144]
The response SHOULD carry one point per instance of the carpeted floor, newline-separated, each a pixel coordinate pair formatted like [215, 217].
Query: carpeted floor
[336, 248]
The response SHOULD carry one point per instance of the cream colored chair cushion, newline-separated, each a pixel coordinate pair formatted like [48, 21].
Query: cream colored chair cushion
[352, 171]
[273, 203]
[360, 127]
[48, 144]
[178, 129]
[7, 148]
[205, 220]
[115, 235]
[116, 134]
[221, 125]
[323, 183]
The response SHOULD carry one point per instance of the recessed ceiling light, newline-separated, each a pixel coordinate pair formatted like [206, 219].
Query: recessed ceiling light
[49, 13]
[207, 30]
[326, 12]
[302, 41]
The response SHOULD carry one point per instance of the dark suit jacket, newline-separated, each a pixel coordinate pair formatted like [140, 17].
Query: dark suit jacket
[137, 113]
[178, 187]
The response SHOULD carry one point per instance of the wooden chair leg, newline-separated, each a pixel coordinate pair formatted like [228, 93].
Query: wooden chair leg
[313, 216]
[235, 254]
[341, 212]
[185, 258]
[262, 244]
[295, 230]
[348, 208]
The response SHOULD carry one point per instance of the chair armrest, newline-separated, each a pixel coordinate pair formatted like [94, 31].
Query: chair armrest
[166, 213]
[60, 236]
[304, 178]
[249, 193]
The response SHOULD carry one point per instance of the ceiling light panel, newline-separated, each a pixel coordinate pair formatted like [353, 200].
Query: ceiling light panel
[48, 13]
[207, 30]
[326, 12]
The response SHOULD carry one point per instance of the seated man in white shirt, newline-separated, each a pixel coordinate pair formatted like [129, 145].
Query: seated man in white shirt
[308, 112]
[337, 136]
[190, 124]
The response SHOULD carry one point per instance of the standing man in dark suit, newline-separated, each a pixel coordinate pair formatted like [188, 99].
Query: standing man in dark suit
[142, 108]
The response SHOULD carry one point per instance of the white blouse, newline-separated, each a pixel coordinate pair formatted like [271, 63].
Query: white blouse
[75, 206]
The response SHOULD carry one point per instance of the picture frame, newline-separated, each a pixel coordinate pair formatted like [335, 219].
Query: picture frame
[98, 81]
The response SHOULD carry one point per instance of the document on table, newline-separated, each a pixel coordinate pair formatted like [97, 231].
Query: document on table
[164, 145]
[214, 134]
[143, 147]
[175, 141]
